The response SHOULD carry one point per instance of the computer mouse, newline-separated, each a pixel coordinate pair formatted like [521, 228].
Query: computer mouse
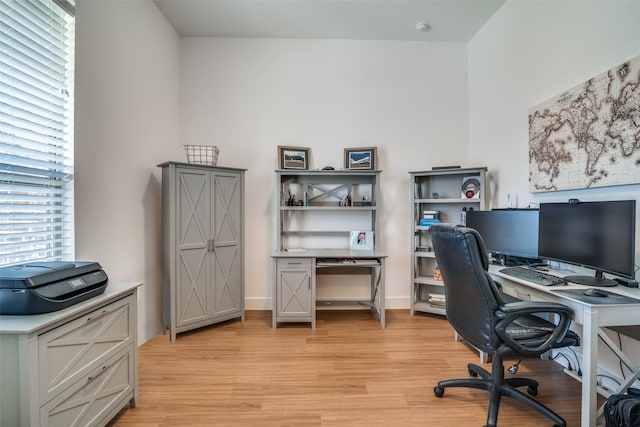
[591, 292]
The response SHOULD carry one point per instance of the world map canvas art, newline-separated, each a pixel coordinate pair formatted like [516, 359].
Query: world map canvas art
[588, 136]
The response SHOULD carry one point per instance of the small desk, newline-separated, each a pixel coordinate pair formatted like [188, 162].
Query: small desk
[592, 314]
[294, 281]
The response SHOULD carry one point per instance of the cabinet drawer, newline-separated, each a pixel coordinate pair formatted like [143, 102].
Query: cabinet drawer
[95, 396]
[72, 350]
[294, 263]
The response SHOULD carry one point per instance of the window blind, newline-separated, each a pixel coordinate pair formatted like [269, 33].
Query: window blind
[37, 43]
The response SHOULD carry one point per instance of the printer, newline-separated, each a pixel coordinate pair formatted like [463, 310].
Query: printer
[42, 287]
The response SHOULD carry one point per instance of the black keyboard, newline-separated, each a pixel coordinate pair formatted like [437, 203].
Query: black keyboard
[533, 275]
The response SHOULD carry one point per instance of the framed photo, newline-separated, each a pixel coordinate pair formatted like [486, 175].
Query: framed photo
[293, 157]
[363, 158]
[361, 240]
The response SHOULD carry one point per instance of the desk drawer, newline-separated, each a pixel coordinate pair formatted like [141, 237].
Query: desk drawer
[70, 351]
[526, 294]
[294, 263]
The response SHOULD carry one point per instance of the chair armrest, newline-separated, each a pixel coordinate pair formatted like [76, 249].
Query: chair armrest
[514, 310]
[531, 307]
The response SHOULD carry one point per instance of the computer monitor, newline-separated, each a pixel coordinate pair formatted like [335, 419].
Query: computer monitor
[511, 235]
[596, 235]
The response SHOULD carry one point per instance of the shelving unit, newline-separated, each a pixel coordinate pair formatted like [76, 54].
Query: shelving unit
[441, 191]
[319, 209]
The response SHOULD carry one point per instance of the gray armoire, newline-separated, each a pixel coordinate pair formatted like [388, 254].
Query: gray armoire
[203, 245]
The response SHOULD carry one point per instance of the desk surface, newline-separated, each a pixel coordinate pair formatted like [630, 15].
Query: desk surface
[574, 291]
[18, 324]
[329, 253]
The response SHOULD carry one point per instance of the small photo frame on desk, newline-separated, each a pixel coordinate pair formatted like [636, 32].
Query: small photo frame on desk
[363, 158]
[361, 241]
[293, 157]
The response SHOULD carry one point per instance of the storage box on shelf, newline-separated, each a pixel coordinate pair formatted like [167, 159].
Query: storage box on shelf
[443, 195]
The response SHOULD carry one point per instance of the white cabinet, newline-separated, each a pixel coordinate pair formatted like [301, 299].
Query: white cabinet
[446, 195]
[73, 367]
[203, 245]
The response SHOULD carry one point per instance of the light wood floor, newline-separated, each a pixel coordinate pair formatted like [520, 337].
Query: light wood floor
[346, 372]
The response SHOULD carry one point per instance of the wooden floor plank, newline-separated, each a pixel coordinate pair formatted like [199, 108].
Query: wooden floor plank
[346, 372]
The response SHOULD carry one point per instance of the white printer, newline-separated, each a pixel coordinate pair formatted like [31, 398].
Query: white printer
[42, 287]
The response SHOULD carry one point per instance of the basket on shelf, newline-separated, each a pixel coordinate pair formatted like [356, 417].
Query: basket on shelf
[202, 154]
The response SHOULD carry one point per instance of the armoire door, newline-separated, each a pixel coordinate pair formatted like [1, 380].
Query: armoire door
[226, 255]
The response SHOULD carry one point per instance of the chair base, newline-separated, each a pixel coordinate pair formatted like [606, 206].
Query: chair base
[498, 386]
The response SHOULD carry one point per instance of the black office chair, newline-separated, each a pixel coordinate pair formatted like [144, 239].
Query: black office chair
[480, 316]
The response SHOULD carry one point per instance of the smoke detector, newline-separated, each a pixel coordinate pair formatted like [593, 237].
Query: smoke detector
[422, 27]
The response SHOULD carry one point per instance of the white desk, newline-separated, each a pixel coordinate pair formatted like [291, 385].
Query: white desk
[592, 317]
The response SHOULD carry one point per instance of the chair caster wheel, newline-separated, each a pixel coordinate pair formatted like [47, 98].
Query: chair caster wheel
[533, 391]
[472, 373]
[439, 392]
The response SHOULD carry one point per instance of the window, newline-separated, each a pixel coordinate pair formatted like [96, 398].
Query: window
[37, 43]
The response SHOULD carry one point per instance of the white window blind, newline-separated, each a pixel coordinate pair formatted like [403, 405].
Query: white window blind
[37, 42]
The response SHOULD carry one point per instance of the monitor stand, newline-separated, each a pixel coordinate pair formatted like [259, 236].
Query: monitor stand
[597, 280]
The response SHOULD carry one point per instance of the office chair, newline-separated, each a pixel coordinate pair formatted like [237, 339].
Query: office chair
[480, 316]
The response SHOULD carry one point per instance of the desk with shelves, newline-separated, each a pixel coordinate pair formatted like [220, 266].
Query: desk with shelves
[294, 290]
[319, 211]
[593, 314]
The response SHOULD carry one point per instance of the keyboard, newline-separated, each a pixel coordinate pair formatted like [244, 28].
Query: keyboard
[533, 275]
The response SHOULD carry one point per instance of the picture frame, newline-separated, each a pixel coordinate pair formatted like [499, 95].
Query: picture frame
[361, 240]
[360, 158]
[293, 157]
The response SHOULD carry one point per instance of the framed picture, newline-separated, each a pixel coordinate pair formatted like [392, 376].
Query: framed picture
[293, 157]
[363, 158]
[361, 240]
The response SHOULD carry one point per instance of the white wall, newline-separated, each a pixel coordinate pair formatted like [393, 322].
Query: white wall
[127, 109]
[250, 95]
[531, 51]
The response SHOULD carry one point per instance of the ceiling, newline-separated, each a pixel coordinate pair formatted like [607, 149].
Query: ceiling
[450, 20]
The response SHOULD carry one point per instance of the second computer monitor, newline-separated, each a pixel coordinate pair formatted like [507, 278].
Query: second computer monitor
[511, 235]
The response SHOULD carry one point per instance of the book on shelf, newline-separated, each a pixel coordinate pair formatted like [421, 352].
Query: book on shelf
[437, 300]
[428, 222]
[431, 215]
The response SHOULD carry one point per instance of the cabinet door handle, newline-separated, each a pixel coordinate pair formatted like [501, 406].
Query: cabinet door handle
[92, 377]
[309, 281]
[211, 246]
[89, 319]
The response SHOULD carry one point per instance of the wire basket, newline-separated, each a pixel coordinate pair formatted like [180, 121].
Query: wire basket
[202, 154]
